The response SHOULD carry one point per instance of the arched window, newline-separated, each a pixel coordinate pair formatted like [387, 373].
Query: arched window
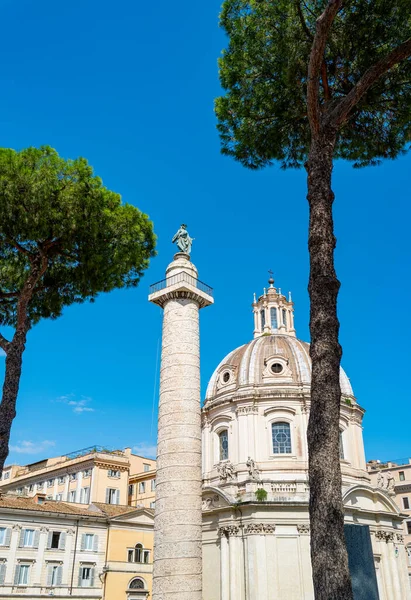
[273, 313]
[138, 554]
[284, 317]
[223, 437]
[281, 433]
[136, 584]
[262, 313]
[341, 446]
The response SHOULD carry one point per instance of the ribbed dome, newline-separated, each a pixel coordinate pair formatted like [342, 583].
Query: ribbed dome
[275, 360]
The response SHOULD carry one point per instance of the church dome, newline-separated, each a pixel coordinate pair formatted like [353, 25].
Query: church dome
[274, 358]
[279, 360]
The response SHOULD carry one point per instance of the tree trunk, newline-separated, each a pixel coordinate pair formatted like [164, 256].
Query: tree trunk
[328, 549]
[14, 360]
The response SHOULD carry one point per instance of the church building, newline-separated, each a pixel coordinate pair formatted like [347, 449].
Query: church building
[256, 533]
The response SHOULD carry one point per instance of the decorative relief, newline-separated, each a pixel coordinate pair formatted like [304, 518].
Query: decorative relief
[44, 529]
[226, 471]
[71, 531]
[259, 529]
[386, 536]
[246, 410]
[304, 528]
[228, 530]
[211, 502]
[399, 538]
[386, 482]
[16, 527]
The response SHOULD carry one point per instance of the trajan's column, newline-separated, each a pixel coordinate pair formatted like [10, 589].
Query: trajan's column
[177, 522]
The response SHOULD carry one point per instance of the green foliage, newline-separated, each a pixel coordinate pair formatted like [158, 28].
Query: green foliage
[261, 495]
[348, 401]
[263, 116]
[57, 207]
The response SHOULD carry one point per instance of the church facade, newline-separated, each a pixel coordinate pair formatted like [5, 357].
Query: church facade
[256, 533]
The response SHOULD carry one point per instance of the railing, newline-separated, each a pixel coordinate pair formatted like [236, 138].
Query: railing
[180, 277]
[91, 450]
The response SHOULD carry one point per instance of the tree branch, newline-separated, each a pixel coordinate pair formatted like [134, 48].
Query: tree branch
[19, 247]
[341, 111]
[39, 267]
[323, 26]
[4, 343]
[303, 22]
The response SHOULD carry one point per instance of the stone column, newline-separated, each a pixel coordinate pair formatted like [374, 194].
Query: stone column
[177, 571]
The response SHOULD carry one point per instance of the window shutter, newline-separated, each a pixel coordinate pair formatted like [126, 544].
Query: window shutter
[16, 575]
[92, 577]
[36, 538]
[83, 541]
[7, 537]
[79, 576]
[2, 573]
[49, 537]
[117, 497]
[107, 495]
[62, 540]
[49, 575]
[95, 543]
[59, 575]
[21, 540]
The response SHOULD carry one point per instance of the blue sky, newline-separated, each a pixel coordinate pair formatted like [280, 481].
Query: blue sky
[130, 86]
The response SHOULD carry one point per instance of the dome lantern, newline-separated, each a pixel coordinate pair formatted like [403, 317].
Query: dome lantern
[273, 313]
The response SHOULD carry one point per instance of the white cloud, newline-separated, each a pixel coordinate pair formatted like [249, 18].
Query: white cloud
[28, 447]
[146, 450]
[77, 405]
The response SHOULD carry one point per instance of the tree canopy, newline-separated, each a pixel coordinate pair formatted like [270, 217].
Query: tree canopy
[263, 115]
[59, 210]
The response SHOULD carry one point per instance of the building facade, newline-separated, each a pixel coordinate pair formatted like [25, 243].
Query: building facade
[51, 548]
[93, 474]
[395, 478]
[256, 533]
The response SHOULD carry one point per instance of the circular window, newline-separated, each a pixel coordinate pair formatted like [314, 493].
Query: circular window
[226, 377]
[276, 368]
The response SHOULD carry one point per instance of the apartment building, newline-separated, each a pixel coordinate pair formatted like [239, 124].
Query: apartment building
[395, 477]
[142, 486]
[94, 474]
[52, 548]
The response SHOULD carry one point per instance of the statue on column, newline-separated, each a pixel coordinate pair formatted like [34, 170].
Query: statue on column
[183, 240]
[252, 469]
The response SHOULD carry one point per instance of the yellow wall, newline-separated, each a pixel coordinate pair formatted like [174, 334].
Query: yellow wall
[121, 572]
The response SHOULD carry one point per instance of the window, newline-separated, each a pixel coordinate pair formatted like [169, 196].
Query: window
[40, 485]
[130, 489]
[273, 314]
[5, 536]
[87, 473]
[136, 584]
[59, 497]
[409, 527]
[50, 482]
[341, 446]
[20, 491]
[401, 475]
[55, 539]
[72, 496]
[54, 575]
[31, 487]
[89, 542]
[112, 473]
[281, 438]
[152, 504]
[112, 496]
[73, 476]
[142, 487]
[406, 503]
[146, 467]
[6, 475]
[85, 495]
[284, 317]
[226, 377]
[22, 575]
[28, 538]
[86, 577]
[223, 437]
[276, 368]
[61, 479]
[138, 554]
[153, 485]
[262, 314]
